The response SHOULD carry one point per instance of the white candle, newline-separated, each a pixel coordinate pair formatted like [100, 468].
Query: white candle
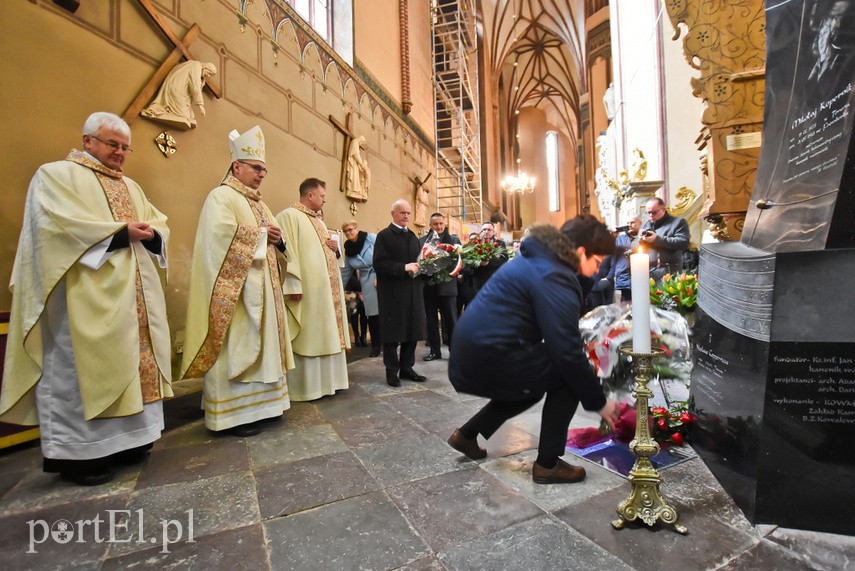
[639, 265]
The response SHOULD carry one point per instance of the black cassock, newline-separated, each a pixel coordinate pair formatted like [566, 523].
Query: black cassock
[402, 310]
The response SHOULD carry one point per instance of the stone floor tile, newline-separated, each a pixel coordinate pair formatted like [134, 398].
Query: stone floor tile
[343, 409]
[822, 550]
[269, 448]
[371, 430]
[188, 463]
[411, 456]
[285, 489]
[458, 506]
[698, 490]
[766, 556]
[540, 543]
[366, 532]
[83, 547]
[242, 548]
[509, 440]
[354, 391]
[39, 489]
[22, 457]
[9, 479]
[426, 564]
[709, 543]
[442, 422]
[192, 434]
[300, 415]
[515, 472]
[217, 503]
[419, 404]
[379, 388]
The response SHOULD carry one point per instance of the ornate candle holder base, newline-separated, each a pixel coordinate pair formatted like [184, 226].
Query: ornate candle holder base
[645, 502]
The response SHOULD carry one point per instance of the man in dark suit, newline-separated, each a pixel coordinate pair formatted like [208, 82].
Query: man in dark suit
[441, 297]
[486, 271]
[402, 311]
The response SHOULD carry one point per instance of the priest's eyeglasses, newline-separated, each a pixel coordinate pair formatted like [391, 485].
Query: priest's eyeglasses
[257, 168]
[114, 145]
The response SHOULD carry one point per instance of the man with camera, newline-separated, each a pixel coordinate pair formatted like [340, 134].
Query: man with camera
[665, 237]
[619, 270]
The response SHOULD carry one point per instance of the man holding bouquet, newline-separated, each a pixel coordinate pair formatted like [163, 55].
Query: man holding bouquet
[439, 297]
[492, 265]
[402, 312]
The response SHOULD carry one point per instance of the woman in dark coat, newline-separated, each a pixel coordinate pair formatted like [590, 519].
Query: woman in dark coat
[519, 340]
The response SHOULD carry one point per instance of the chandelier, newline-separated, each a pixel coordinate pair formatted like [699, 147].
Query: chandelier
[520, 183]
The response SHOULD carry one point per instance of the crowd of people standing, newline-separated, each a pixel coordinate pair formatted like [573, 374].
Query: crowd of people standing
[267, 322]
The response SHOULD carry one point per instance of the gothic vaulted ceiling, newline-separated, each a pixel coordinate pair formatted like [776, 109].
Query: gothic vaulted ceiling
[536, 49]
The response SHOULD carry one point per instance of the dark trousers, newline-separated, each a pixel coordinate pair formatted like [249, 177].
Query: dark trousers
[359, 323]
[558, 411]
[625, 293]
[374, 330]
[447, 307]
[390, 357]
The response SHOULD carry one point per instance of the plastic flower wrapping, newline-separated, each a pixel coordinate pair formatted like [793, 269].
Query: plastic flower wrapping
[608, 327]
[603, 331]
[440, 262]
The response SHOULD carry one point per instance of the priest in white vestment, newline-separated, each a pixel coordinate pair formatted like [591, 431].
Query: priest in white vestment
[237, 333]
[314, 297]
[88, 352]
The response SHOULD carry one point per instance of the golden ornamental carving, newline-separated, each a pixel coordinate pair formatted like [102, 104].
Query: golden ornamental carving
[685, 197]
[725, 41]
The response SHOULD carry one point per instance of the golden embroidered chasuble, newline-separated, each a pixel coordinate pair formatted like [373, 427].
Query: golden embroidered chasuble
[116, 313]
[229, 315]
[316, 322]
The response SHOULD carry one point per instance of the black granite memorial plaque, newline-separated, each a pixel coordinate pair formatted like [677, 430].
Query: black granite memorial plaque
[804, 192]
[774, 333]
[774, 388]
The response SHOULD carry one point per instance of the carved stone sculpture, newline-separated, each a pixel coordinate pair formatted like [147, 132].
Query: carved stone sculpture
[180, 92]
[358, 175]
[422, 202]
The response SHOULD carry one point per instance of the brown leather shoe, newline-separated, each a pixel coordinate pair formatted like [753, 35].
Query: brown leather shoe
[562, 473]
[467, 446]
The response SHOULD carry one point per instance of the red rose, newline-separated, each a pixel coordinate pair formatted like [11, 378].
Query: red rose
[659, 411]
[662, 424]
[685, 418]
[677, 438]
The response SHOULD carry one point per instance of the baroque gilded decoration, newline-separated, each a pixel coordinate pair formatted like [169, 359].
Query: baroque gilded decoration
[725, 40]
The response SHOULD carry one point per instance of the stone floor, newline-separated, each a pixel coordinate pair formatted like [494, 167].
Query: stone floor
[365, 480]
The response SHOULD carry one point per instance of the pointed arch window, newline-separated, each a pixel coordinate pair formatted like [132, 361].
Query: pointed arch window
[552, 173]
[318, 14]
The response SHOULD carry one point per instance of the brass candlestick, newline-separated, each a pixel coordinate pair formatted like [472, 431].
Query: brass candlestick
[645, 502]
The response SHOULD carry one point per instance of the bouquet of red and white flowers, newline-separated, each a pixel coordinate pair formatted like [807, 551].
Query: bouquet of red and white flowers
[478, 251]
[441, 262]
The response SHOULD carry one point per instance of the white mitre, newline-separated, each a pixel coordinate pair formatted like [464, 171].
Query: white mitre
[247, 147]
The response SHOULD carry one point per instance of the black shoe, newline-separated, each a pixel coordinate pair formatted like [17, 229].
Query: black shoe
[130, 456]
[94, 477]
[374, 352]
[243, 430]
[433, 357]
[411, 375]
[392, 379]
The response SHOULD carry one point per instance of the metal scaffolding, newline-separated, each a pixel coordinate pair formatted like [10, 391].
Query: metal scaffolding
[458, 149]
